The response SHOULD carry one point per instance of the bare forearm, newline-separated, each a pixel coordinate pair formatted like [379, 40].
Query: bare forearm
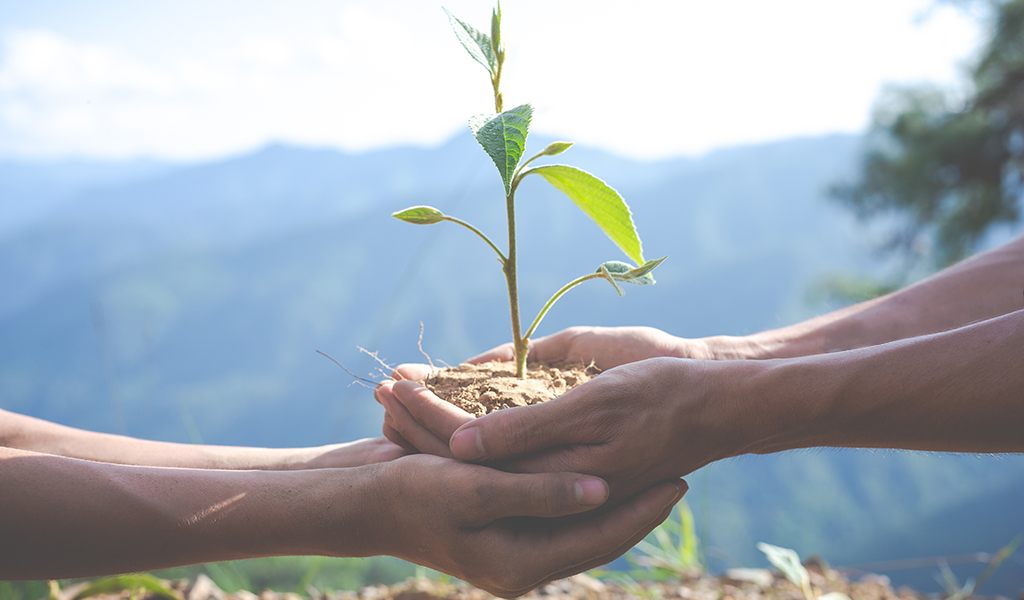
[62, 517]
[36, 435]
[984, 286]
[957, 391]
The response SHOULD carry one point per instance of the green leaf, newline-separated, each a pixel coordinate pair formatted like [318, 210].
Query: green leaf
[496, 34]
[600, 202]
[555, 148]
[477, 44]
[603, 269]
[117, 584]
[627, 273]
[503, 137]
[420, 215]
[788, 562]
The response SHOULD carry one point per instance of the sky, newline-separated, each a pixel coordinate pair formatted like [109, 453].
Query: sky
[197, 79]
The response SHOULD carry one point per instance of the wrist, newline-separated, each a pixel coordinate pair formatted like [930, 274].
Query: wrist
[345, 513]
[789, 403]
[727, 347]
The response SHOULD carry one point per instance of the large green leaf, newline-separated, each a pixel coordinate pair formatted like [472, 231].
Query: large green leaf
[503, 137]
[600, 202]
[476, 43]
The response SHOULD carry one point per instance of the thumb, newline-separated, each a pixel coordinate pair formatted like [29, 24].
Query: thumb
[516, 432]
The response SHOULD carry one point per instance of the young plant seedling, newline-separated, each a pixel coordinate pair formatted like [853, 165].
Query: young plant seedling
[788, 563]
[503, 137]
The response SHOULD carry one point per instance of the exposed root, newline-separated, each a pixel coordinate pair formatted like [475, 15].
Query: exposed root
[419, 344]
[389, 374]
[369, 383]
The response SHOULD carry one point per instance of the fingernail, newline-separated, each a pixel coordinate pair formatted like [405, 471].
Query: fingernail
[591, 492]
[680, 490]
[378, 393]
[468, 444]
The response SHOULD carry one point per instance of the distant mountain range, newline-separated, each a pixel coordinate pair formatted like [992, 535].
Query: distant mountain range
[185, 303]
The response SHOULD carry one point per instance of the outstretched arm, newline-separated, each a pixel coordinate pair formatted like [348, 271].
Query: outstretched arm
[956, 391]
[984, 286]
[36, 435]
[63, 517]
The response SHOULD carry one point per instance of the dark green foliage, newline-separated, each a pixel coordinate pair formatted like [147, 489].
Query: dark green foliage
[942, 171]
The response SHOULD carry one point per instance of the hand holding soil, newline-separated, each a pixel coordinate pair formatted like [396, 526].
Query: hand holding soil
[604, 347]
[635, 426]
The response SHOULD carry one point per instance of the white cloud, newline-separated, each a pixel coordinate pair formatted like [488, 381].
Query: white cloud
[644, 78]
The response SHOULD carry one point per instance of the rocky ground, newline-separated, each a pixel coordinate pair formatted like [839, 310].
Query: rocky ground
[737, 584]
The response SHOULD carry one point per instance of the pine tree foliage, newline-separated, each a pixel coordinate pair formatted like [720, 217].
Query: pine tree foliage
[941, 168]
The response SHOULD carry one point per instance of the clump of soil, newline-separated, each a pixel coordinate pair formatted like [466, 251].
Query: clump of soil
[487, 387]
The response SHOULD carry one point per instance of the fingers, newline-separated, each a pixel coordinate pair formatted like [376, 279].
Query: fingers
[544, 349]
[502, 353]
[618, 530]
[537, 494]
[411, 371]
[520, 431]
[396, 438]
[440, 417]
[595, 542]
[625, 546]
[406, 427]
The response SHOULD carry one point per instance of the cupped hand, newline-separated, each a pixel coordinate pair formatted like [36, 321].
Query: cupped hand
[497, 530]
[633, 425]
[606, 347]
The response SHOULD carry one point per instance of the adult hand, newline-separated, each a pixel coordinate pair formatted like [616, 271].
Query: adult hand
[606, 347]
[633, 425]
[496, 530]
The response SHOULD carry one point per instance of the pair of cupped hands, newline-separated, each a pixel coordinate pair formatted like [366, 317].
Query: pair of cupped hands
[634, 430]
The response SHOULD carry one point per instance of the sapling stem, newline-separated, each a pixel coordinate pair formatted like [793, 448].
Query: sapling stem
[556, 296]
[518, 341]
[501, 256]
[503, 137]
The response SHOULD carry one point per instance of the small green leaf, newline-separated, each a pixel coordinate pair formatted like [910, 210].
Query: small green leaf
[503, 137]
[555, 148]
[788, 562]
[609, 276]
[496, 34]
[615, 267]
[477, 44]
[627, 273]
[420, 215]
[600, 202]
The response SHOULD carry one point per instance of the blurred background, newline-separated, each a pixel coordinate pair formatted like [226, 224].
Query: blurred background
[195, 197]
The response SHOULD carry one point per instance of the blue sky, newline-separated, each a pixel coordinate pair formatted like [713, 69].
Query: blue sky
[190, 79]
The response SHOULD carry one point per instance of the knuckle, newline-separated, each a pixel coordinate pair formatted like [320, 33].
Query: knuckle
[549, 496]
[517, 431]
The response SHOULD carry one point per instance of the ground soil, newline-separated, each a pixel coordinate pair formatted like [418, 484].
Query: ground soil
[480, 389]
[738, 584]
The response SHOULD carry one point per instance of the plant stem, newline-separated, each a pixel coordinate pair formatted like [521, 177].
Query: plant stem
[501, 256]
[509, 268]
[558, 294]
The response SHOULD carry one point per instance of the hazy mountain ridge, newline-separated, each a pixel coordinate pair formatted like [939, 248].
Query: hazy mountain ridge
[191, 299]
